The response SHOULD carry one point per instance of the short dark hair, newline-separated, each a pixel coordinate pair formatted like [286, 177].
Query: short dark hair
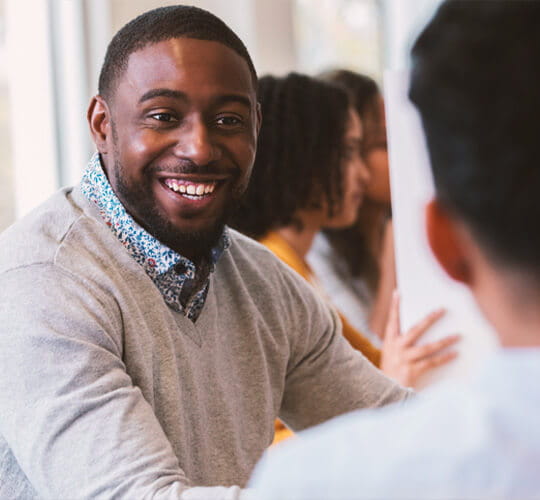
[475, 81]
[164, 23]
[299, 154]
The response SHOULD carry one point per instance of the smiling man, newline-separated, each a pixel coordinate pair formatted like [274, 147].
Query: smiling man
[145, 348]
[178, 144]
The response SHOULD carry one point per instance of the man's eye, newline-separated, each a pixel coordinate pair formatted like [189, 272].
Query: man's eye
[163, 117]
[229, 121]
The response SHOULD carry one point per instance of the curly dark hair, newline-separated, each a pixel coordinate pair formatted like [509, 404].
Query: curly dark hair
[351, 243]
[299, 154]
[362, 89]
[164, 23]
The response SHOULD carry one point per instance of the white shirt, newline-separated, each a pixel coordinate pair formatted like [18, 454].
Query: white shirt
[350, 295]
[477, 440]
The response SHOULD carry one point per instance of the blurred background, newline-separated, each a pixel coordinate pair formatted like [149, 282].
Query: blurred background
[51, 52]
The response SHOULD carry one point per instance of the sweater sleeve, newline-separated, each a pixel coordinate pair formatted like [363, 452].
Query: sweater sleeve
[327, 377]
[75, 424]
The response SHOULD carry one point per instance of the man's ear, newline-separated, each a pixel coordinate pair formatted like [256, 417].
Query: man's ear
[447, 242]
[99, 121]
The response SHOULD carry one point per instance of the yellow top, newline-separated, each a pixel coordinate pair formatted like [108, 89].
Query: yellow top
[274, 242]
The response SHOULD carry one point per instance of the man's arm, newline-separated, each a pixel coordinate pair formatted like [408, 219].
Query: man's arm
[71, 416]
[326, 377]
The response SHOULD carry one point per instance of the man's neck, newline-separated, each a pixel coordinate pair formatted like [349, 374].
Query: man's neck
[510, 302]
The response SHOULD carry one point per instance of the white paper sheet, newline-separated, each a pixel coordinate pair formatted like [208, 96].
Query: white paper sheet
[422, 283]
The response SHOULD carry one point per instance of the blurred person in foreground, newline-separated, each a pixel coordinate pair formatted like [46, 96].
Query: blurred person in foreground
[475, 83]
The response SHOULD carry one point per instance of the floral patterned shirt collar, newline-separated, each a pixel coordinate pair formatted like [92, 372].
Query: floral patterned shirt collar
[169, 271]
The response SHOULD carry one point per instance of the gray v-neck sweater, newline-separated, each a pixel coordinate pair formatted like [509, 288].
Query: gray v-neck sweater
[107, 392]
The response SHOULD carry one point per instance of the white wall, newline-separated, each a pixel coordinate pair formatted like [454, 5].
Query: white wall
[31, 103]
[404, 19]
[265, 27]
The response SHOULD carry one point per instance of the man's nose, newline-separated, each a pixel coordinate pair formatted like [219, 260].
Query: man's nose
[197, 143]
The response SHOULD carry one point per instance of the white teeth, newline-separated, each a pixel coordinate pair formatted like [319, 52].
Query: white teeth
[191, 190]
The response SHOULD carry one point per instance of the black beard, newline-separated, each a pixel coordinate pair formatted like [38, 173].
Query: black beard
[191, 244]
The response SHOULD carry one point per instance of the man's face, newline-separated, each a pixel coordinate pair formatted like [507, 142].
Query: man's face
[182, 140]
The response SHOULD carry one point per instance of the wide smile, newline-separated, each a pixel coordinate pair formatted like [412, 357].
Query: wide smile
[192, 190]
[192, 194]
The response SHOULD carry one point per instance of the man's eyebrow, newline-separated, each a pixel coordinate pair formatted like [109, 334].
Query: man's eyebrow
[230, 98]
[177, 94]
[174, 94]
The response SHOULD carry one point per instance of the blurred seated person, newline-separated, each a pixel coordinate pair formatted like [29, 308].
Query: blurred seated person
[478, 439]
[358, 261]
[309, 174]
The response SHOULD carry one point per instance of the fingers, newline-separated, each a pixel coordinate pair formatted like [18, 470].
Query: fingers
[420, 328]
[392, 325]
[416, 353]
[421, 367]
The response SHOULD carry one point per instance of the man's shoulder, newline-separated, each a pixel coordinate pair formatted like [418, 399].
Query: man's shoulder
[36, 236]
[347, 456]
[62, 224]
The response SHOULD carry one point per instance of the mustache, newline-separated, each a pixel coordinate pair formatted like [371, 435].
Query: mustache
[190, 167]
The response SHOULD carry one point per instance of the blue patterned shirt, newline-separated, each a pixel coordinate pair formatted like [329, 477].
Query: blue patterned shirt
[169, 270]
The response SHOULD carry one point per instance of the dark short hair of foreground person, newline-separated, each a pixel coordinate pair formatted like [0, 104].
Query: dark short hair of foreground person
[145, 348]
[474, 81]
